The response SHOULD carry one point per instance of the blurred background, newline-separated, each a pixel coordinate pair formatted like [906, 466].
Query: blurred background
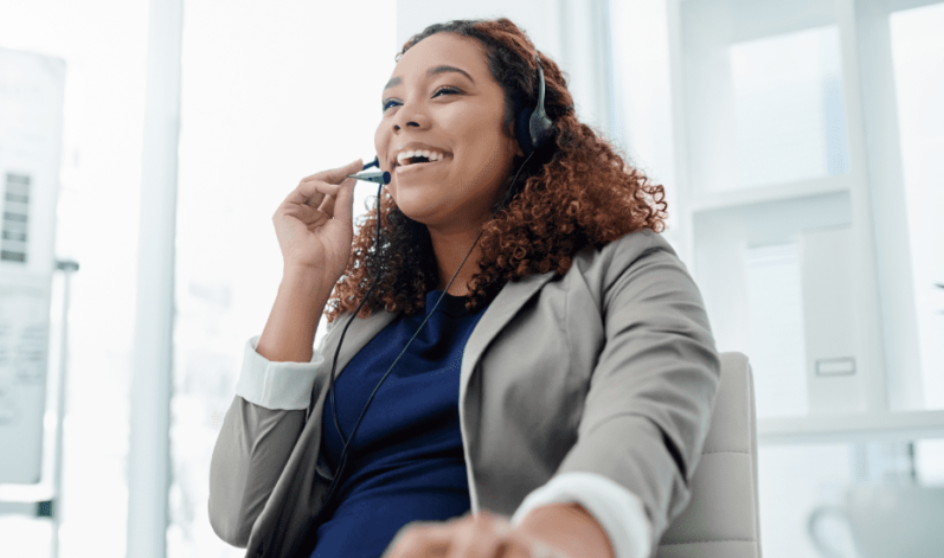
[801, 143]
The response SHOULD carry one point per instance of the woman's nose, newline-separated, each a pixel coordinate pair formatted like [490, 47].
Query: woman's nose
[410, 116]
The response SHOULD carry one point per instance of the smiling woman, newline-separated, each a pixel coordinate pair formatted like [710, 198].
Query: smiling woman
[457, 89]
[458, 114]
[532, 373]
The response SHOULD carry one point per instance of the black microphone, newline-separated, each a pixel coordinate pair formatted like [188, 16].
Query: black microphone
[379, 177]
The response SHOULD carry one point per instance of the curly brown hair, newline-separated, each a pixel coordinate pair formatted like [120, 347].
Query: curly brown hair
[575, 191]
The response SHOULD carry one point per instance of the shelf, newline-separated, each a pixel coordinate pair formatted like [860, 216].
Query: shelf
[775, 192]
[25, 493]
[900, 426]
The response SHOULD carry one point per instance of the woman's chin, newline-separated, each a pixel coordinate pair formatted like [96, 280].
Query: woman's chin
[415, 205]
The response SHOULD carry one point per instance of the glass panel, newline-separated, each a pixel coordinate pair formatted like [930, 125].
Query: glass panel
[641, 75]
[796, 480]
[104, 46]
[788, 108]
[775, 302]
[793, 481]
[763, 93]
[918, 57]
[267, 99]
[929, 462]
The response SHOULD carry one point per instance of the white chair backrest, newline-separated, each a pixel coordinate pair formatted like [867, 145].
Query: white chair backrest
[722, 518]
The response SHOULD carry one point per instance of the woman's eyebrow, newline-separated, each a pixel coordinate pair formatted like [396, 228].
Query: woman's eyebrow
[432, 71]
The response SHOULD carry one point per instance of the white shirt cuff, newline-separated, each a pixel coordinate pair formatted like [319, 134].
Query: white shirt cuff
[276, 385]
[619, 511]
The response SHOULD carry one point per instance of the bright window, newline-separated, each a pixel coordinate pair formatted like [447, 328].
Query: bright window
[918, 54]
[104, 46]
[271, 93]
[788, 107]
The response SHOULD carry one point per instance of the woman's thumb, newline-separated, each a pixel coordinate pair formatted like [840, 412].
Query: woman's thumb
[344, 206]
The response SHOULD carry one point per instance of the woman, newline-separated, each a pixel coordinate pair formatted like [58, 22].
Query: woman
[557, 394]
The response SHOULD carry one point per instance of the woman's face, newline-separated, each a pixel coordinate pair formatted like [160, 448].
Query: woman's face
[442, 98]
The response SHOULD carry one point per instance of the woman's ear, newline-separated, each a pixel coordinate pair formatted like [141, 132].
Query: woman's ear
[510, 134]
[514, 141]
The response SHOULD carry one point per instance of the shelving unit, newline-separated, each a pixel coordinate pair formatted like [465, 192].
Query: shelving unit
[800, 265]
[703, 202]
[902, 426]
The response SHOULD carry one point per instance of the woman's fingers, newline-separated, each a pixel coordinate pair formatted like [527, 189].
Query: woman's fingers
[481, 535]
[343, 203]
[310, 216]
[335, 176]
[311, 193]
[420, 539]
[303, 222]
[313, 189]
[327, 204]
[327, 197]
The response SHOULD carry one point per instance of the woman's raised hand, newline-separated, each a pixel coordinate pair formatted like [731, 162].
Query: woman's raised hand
[314, 224]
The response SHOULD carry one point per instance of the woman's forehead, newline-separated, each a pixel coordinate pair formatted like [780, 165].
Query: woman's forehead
[443, 49]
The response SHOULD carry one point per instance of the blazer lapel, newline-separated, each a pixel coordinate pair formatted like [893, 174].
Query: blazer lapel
[507, 303]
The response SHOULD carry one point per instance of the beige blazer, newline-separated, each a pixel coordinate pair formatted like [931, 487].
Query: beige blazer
[608, 369]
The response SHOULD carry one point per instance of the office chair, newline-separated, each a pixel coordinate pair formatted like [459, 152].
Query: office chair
[722, 518]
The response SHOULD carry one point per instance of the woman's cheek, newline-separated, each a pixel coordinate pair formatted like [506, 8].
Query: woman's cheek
[381, 143]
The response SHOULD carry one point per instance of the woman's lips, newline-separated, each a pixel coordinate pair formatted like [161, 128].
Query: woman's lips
[418, 167]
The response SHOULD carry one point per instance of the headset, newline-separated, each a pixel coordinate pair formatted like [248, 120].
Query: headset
[533, 130]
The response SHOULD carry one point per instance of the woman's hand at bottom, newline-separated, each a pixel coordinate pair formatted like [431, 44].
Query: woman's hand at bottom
[482, 535]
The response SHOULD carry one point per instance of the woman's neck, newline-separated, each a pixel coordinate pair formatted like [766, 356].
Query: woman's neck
[450, 249]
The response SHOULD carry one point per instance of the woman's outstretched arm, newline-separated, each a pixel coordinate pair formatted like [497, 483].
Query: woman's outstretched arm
[652, 391]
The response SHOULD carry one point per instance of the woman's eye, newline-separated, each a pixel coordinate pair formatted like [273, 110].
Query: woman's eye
[450, 90]
[443, 90]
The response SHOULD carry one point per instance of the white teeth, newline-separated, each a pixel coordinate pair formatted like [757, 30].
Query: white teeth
[429, 154]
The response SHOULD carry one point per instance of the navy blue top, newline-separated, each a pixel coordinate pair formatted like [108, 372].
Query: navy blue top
[405, 462]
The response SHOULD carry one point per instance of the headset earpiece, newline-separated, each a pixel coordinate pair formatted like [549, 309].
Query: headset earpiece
[533, 128]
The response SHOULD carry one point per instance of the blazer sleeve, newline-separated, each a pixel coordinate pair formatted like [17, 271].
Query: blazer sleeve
[648, 407]
[259, 432]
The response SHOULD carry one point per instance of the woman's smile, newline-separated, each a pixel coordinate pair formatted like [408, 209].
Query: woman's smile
[414, 168]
